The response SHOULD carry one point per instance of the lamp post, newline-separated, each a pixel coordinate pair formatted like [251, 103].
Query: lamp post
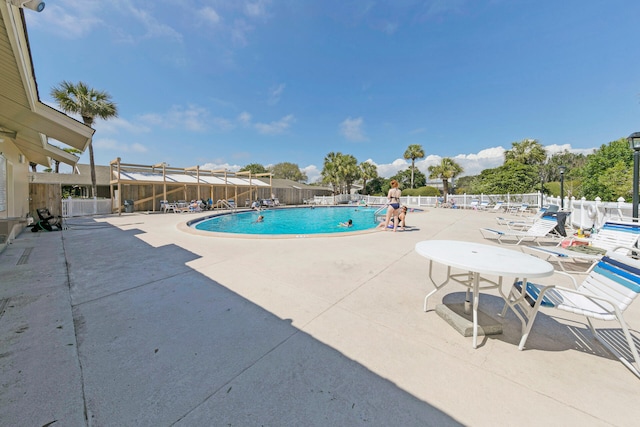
[562, 169]
[634, 143]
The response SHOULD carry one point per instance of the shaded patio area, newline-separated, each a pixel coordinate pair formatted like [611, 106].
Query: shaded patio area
[126, 320]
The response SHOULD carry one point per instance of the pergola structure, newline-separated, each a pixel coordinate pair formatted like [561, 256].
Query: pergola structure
[162, 182]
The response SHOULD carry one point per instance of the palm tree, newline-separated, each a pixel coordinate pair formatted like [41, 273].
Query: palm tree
[446, 170]
[330, 172]
[349, 172]
[527, 151]
[341, 171]
[414, 151]
[367, 171]
[89, 103]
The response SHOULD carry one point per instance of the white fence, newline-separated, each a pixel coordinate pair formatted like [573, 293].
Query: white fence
[534, 200]
[584, 213]
[85, 207]
[588, 213]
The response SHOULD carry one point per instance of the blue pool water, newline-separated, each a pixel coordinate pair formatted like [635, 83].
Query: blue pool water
[298, 221]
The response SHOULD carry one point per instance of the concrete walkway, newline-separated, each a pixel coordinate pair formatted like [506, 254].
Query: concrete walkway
[129, 321]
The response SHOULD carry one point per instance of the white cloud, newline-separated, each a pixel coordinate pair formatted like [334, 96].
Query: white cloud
[390, 27]
[312, 172]
[223, 124]
[221, 166]
[153, 28]
[70, 19]
[275, 93]
[390, 169]
[245, 118]
[256, 9]
[555, 148]
[351, 129]
[239, 32]
[276, 127]
[192, 118]
[115, 145]
[117, 125]
[209, 15]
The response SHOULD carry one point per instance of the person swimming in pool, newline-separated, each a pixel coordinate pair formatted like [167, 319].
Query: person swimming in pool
[394, 205]
[346, 224]
[260, 218]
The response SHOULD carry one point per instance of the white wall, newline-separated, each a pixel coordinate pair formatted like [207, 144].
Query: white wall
[17, 180]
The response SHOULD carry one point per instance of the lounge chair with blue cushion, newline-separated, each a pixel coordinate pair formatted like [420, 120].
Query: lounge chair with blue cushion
[604, 294]
[618, 236]
[522, 223]
[540, 229]
[498, 207]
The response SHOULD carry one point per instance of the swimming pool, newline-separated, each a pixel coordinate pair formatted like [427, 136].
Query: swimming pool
[291, 221]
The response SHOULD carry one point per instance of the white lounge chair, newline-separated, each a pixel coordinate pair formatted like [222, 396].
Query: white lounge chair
[165, 206]
[498, 207]
[522, 223]
[519, 210]
[617, 236]
[604, 295]
[540, 229]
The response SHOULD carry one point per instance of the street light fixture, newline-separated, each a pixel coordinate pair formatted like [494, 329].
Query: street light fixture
[634, 143]
[562, 169]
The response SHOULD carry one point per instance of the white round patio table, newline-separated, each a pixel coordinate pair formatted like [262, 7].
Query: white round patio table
[479, 261]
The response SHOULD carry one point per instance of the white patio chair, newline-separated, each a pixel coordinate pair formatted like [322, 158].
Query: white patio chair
[604, 294]
[524, 222]
[498, 207]
[540, 229]
[617, 236]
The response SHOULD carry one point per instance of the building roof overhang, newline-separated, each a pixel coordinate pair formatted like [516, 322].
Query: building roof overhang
[22, 114]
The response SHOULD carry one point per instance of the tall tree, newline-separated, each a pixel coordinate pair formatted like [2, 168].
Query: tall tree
[527, 152]
[511, 177]
[413, 152]
[349, 172]
[605, 170]
[254, 168]
[330, 170]
[446, 170]
[340, 171]
[287, 170]
[368, 171]
[89, 103]
[404, 177]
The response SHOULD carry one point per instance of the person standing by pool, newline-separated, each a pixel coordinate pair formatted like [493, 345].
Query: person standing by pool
[394, 205]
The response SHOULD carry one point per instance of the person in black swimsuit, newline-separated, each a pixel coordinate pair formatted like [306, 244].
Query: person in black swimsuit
[394, 205]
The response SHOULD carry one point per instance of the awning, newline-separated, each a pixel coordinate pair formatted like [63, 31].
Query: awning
[21, 110]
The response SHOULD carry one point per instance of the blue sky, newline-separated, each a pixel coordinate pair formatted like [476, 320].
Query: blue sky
[222, 84]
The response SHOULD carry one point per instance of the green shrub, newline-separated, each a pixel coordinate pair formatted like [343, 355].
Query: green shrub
[421, 191]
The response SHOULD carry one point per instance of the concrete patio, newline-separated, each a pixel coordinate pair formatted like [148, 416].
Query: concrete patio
[129, 321]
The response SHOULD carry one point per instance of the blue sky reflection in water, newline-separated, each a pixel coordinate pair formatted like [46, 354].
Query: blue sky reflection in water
[308, 220]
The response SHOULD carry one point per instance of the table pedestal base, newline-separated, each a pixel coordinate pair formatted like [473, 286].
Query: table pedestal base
[454, 315]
